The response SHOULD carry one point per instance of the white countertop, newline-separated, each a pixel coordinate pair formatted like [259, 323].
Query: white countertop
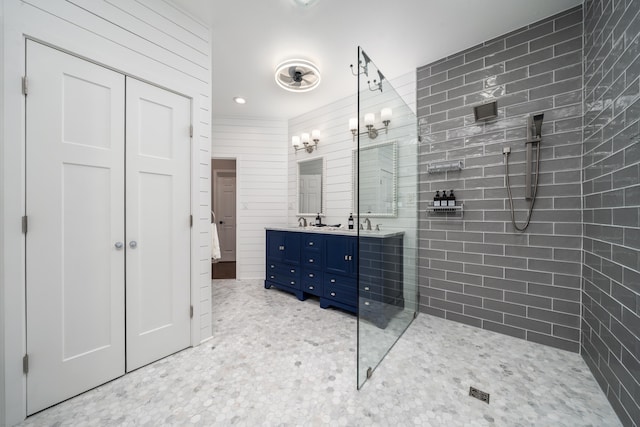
[341, 231]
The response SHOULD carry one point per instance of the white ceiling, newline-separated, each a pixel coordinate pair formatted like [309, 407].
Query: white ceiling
[250, 37]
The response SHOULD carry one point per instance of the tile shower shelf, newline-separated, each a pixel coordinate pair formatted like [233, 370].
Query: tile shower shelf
[445, 211]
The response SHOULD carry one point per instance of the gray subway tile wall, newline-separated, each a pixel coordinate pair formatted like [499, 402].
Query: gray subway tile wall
[478, 270]
[611, 284]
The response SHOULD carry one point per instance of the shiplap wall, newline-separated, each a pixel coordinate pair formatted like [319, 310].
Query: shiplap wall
[260, 148]
[151, 40]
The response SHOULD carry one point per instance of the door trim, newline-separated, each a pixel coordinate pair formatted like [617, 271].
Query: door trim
[213, 188]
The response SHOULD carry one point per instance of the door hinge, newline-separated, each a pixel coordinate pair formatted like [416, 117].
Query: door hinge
[25, 224]
[191, 312]
[191, 131]
[25, 85]
[25, 364]
[191, 221]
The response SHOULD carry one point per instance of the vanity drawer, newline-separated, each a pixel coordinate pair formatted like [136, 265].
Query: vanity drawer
[341, 289]
[283, 269]
[312, 242]
[284, 274]
[312, 259]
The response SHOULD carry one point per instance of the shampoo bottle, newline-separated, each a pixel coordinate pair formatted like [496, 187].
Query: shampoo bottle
[436, 199]
[318, 220]
[451, 200]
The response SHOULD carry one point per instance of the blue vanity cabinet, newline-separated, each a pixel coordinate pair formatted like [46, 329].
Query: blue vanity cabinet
[283, 267]
[312, 263]
[341, 254]
[326, 265]
[340, 272]
[283, 246]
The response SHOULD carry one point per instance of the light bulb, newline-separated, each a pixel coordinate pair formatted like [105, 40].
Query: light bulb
[369, 119]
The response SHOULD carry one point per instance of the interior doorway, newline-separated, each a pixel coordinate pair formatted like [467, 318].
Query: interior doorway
[223, 202]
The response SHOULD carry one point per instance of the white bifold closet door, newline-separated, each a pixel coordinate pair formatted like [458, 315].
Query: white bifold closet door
[80, 233]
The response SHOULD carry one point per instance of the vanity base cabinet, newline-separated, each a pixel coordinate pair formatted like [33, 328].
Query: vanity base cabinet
[326, 266]
[283, 268]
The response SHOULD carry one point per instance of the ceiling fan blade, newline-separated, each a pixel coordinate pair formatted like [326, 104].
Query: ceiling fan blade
[285, 78]
[292, 71]
[297, 84]
[310, 81]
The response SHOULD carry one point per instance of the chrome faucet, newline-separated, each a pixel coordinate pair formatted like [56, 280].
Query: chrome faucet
[368, 222]
[304, 222]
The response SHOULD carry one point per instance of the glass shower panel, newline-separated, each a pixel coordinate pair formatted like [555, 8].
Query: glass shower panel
[385, 199]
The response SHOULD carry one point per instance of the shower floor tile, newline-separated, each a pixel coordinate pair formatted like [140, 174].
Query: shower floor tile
[277, 361]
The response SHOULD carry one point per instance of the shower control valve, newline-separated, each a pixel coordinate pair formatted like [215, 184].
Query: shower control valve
[506, 150]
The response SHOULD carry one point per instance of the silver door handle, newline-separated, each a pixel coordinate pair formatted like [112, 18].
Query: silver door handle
[133, 244]
[118, 245]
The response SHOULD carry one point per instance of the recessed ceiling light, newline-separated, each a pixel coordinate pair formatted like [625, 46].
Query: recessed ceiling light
[297, 75]
[304, 3]
[240, 100]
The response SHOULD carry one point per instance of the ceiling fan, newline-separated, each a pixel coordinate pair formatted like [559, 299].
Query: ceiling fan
[297, 75]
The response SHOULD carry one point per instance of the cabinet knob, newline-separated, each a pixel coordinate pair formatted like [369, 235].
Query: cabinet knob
[311, 275]
[310, 259]
[367, 303]
[273, 277]
[333, 294]
[346, 257]
[119, 245]
[311, 287]
[293, 271]
[293, 283]
[310, 243]
[133, 244]
[333, 280]
[272, 266]
[366, 288]
[281, 248]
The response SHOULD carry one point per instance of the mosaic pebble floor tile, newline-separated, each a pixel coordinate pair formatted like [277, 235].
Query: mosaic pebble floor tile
[276, 361]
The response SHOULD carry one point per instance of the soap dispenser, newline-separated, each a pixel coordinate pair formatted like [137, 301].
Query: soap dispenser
[451, 200]
[318, 220]
[436, 199]
[350, 221]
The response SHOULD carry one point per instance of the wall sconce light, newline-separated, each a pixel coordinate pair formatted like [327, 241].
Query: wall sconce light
[304, 138]
[369, 120]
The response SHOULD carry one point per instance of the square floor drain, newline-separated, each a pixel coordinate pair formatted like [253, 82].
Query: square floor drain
[479, 394]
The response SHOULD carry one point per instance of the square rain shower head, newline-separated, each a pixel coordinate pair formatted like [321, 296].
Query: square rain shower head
[486, 111]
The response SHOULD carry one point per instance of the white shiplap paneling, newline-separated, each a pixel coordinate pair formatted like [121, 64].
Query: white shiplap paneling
[260, 149]
[151, 40]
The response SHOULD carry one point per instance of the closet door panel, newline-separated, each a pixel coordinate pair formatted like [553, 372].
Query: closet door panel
[75, 210]
[158, 223]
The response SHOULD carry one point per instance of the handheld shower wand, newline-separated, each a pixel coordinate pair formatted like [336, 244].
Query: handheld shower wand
[534, 136]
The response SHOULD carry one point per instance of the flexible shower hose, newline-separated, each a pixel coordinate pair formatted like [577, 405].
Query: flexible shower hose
[535, 190]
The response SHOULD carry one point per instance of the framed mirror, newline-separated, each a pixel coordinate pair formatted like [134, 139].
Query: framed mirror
[311, 187]
[378, 180]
